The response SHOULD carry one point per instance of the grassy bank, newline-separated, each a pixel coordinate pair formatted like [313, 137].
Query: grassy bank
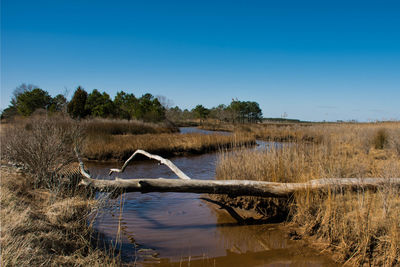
[120, 147]
[270, 131]
[117, 140]
[44, 214]
[297, 132]
[358, 228]
[118, 127]
[107, 139]
[42, 228]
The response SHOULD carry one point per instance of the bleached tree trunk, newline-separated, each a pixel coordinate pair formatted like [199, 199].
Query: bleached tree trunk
[230, 187]
[236, 187]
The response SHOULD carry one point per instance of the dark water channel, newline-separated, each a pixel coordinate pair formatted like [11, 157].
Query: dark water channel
[180, 229]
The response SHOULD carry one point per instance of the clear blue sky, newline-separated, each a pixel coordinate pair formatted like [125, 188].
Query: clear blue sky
[314, 60]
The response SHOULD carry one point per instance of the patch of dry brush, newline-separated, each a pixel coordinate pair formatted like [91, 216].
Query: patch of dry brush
[358, 227]
[44, 215]
[40, 229]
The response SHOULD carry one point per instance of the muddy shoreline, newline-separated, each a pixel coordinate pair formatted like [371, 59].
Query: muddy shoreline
[270, 211]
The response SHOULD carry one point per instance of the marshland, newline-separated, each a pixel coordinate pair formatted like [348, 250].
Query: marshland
[46, 210]
[200, 133]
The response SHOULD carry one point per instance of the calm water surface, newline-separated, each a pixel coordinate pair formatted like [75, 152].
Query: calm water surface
[180, 229]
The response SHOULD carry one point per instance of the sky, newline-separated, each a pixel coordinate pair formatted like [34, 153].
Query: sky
[312, 60]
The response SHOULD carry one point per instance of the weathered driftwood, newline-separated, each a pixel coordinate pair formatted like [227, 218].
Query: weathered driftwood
[229, 187]
[166, 162]
[235, 187]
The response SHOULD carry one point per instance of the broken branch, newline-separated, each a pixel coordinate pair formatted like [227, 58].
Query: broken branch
[166, 162]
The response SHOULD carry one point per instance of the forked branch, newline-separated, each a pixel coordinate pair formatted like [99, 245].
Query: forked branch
[166, 162]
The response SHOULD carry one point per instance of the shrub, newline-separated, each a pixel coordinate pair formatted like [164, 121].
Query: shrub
[43, 145]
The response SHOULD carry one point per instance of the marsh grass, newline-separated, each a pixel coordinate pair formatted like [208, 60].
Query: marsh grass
[117, 139]
[120, 147]
[39, 228]
[44, 214]
[359, 228]
[104, 127]
[278, 132]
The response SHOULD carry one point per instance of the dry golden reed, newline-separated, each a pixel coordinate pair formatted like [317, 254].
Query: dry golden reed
[99, 126]
[41, 229]
[120, 147]
[360, 228]
[44, 215]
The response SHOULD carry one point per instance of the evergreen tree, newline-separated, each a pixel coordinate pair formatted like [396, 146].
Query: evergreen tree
[59, 104]
[125, 105]
[76, 107]
[29, 101]
[99, 104]
[244, 111]
[201, 112]
[149, 109]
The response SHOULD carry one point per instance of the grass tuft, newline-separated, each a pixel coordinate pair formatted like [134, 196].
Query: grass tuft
[381, 139]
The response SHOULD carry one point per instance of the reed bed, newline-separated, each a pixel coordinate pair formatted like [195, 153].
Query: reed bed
[118, 127]
[358, 228]
[120, 147]
[317, 132]
[279, 132]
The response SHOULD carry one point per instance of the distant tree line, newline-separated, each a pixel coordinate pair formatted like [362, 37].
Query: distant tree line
[124, 106]
[29, 98]
[236, 112]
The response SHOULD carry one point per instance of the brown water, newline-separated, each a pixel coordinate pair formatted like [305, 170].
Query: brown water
[180, 229]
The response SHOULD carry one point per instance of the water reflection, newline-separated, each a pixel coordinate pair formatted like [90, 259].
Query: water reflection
[185, 130]
[180, 229]
[171, 229]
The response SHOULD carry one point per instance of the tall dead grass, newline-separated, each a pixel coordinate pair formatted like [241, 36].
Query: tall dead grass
[280, 132]
[360, 228]
[120, 147]
[44, 215]
[39, 229]
[118, 127]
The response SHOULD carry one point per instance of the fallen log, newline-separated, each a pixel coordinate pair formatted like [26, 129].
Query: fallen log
[229, 187]
[236, 187]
